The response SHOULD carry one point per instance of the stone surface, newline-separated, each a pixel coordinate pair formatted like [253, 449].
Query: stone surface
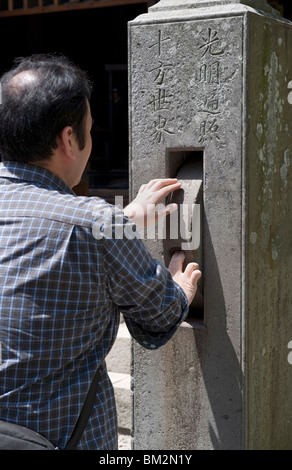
[124, 442]
[215, 80]
[176, 4]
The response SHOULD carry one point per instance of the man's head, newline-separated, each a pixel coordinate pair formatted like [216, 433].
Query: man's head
[41, 95]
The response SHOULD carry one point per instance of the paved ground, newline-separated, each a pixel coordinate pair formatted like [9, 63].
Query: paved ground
[124, 442]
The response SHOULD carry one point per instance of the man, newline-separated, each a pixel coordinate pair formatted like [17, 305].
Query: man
[64, 280]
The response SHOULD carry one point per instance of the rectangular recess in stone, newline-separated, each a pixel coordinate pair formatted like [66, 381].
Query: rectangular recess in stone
[184, 227]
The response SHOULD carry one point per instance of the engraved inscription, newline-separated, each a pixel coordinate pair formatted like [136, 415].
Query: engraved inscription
[159, 43]
[210, 104]
[211, 52]
[186, 83]
[160, 129]
[209, 73]
[208, 130]
[211, 45]
[161, 100]
[160, 72]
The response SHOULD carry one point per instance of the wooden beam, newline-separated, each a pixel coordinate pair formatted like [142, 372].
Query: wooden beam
[67, 7]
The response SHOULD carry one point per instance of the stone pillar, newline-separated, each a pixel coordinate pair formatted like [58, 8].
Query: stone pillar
[211, 81]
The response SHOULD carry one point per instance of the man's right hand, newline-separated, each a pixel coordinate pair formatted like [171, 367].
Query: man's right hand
[143, 209]
[186, 279]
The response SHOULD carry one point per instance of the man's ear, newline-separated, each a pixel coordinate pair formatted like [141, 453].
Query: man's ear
[66, 140]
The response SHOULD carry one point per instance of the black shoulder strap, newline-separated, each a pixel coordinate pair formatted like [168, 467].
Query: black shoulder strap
[84, 415]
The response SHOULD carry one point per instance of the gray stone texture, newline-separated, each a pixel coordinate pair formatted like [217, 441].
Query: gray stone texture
[213, 77]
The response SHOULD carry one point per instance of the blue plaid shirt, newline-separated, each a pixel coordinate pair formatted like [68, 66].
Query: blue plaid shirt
[63, 283]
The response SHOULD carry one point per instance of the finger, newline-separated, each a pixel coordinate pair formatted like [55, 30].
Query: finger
[157, 184]
[191, 267]
[176, 262]
[195, 276]
[161, 182]
[165, 210]
[165, 183]
[166, 190]
[170, 208]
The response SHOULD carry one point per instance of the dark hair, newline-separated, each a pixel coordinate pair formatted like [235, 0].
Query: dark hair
[33, 112]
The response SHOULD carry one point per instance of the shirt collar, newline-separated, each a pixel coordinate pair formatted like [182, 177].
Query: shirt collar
[33, 173]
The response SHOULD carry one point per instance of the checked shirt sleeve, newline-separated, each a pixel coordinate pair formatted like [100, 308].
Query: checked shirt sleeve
[153, 305]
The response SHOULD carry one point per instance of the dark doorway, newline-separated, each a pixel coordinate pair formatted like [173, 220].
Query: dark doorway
[96, 39]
